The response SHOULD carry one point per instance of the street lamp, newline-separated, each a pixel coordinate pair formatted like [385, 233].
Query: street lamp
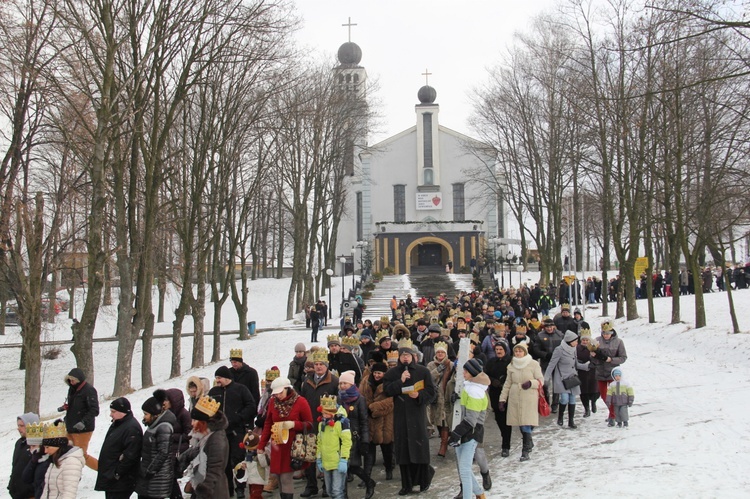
[329, 273]
[354, 285]
[343, 273]
[510, 270]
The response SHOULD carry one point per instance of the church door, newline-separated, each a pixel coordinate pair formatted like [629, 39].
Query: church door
[430, 255]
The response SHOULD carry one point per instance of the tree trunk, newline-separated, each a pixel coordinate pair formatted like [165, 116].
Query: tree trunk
[147, 340]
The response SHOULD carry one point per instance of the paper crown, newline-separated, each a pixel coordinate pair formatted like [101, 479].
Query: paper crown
[607, 326]
[474, 338]
[51, 431]
[405, 343]
[585, 333]
[381, 334]
[392, 356]
[350, 342]
[279, 434]
[273, 373]
[320, 355]
[328, 403]
[207, 406]
[333, 338]
[481, 324]
[441, 345]
[35, 431]
[235, 353]
[434, 319]
[384, 320]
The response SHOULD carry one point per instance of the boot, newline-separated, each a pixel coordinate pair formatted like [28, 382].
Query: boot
[526, 448]
[586, 410]
[389, 473]
[309, 493]
[560, 415]
[486, 480]
[571, 415]
[286, 495]
[481, 496]
[444, 436]
[370, 489]
[505, 453]
[239, 492]
[460, 494]
[273, 484]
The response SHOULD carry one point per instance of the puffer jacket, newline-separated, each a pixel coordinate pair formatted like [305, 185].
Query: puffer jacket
[359, 424]
[157, 469]
[183, 425]
[620, 393]
[62, 482]
[334, 440]
[380, 409]
[613, 348]
[474, 402]
[82, 404]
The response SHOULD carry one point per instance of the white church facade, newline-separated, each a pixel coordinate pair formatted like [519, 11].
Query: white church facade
[410, 199]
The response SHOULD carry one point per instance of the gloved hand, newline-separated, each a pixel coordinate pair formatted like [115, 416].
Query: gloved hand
[364, 448]
[343, 465]
[62, 408]
[501, 406]
[319, 463]
[455, 396]
[454, 440]
[288, 425]
[526, 385]
[79, 426]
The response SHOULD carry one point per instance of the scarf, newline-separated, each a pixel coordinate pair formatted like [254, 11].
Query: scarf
[200, 462]
[349, 395]
[521, 362]
[285, 406]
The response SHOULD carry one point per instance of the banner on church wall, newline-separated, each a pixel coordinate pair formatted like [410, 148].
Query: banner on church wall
[429, 201]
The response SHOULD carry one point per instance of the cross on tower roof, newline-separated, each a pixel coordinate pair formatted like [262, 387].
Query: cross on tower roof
[426, 75]
[349, 25]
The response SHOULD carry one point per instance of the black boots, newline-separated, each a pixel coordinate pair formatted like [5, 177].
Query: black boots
[527, 445]
[285, 495]
[586, 410]
[370, 489]
[486, 481]
[561, 415]
[389, 473]
[460, 494]
[571, 415]
[505, 452]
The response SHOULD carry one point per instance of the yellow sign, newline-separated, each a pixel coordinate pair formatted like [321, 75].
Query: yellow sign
[569, 279]
[640, 266]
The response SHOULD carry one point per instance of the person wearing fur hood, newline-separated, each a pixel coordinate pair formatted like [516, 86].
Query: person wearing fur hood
[470, 431]
[563, 365]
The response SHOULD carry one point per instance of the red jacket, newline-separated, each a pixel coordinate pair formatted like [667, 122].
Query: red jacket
[281, 459]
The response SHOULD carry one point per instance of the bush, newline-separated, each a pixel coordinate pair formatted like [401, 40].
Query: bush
[369, 286]
[51, 353]
[464, 270]
[365, 295]
[389, 271]
[376, 276]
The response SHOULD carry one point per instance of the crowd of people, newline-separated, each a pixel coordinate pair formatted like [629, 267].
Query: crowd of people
[389, 384]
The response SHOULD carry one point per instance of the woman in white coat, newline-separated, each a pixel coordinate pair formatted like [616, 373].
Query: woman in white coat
[64, 473]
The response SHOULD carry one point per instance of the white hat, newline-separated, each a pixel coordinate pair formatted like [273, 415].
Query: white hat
[279, 384]
[347, 377]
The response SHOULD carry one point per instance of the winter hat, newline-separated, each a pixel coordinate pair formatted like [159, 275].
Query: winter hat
[347, 377]
[223, 372]
[570, 337]
[577, 311]
[75, 376]
[251, 441]
[616, 372]
[279, 384]
[155, 405]
[434, 328]
[28, 418]
[379, 367]
[523, 347]
[365, 335]
[300, 347]
[377, 356]
[383, 338]
[474, 366]
[121, 405]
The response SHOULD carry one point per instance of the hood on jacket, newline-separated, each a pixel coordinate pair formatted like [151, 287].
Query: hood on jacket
[76, 373]
[202, 383]
[176, 399]
[218, 422]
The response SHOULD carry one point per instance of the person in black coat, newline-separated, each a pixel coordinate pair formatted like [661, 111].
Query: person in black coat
[175, 403]
[496, 369]
[121, 452]
[342, 361]
[411, 441]
[359, 424]
[36, 471]
[244, 374]
[82, 408]
[240, 409]
[21, 456]
[156, 471]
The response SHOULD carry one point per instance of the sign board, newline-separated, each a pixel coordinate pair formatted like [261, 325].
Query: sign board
[429, 201]
[640, 266]
[569, 279]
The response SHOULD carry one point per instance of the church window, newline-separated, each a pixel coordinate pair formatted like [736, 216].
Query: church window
[359, 216]
[348, 78]
[428, 177]
[459, 205]
[399, 203]
[427, 125]
[356, 78]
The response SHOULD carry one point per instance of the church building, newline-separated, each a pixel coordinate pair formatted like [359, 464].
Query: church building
[410, 197]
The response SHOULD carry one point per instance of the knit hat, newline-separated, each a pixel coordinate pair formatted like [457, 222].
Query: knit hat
[300, 347]
[570, 337]
[434, 328]
[523, 347]
[155, 405]
[347, 377]
[279, 384]
[474, 366]
[223, 372]
[251, 441]
[28, 418]
[121, 405]
[379, 367]
[616, 372]
[577, 311]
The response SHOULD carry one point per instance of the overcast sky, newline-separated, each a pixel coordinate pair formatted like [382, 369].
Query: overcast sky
[457, 41]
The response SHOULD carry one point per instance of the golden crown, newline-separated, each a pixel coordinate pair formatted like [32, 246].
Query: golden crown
[384, 320]
[441, 345]
[409, 321]
[279, 434]
[434, 319]
[333, 338]
[392, 355]
[405, 343]
[320, 355]
[328, 403]
[272, 374]
[474, 337]
[35, 430]
[381, 334]
[207, 406]
[235, 353]
[481, 324]
[585, 333]
[607, 326]
[350, 342]
[467, 316]
[54, 431]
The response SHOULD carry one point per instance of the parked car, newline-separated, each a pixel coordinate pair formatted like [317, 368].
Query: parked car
[11, 316]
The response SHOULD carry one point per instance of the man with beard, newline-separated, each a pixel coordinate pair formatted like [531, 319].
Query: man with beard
[412, 389]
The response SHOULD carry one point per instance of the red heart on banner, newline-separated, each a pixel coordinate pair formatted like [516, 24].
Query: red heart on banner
[436, 200]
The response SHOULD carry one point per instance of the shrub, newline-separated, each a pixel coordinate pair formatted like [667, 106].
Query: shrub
[51, 353]
[389, 271]
[376, 276]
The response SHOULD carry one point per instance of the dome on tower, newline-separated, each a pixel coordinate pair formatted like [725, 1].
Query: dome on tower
[350, 53]
[427, 95]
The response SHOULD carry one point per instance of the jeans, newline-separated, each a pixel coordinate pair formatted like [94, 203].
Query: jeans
[567, 398]
[464, 458]
[526, 428]
[335, 483]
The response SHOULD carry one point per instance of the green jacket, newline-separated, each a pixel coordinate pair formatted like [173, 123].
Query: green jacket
[334, 440]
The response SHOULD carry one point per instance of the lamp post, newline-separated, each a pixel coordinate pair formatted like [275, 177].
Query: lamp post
[502, 270]
[343, 273]
[510, 270]
[329, 273]
[354, 252]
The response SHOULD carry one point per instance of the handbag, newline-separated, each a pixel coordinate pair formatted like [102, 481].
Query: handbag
[305, 446]
[571, 381]
[543, 406]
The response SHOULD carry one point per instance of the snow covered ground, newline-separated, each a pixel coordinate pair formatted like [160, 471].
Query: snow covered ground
[687, 437]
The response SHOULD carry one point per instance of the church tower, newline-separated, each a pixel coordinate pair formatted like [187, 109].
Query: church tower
[428, 146]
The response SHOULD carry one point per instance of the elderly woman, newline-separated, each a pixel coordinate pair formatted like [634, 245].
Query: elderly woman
[440, 370]
[520, 395]
[291, 412]
[563, 365]
[589, 389]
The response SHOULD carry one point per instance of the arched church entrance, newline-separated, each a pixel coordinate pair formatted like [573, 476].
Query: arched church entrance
[428, 254]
